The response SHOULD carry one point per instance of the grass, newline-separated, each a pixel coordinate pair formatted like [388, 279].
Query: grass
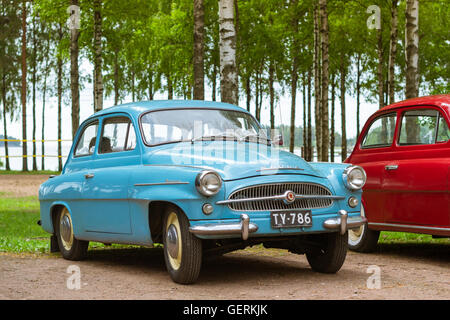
[20, 233]
[44, 172]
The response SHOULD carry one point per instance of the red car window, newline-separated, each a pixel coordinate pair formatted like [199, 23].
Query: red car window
[381, 132]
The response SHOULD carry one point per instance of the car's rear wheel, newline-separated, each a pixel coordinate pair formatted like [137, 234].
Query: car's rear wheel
[182, 250]
[363, 239]
[70, 247]
[330, 254]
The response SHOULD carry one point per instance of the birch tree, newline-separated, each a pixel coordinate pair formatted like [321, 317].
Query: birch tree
[393, 51]
[74, 74]
[199, 36]
[325, 131]
[412, 48]
[97, 46]
[23, 94]
[227, 49]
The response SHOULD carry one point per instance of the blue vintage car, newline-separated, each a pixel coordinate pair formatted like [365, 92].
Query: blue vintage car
[200, 177]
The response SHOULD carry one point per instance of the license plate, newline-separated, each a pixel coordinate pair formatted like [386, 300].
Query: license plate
[291, 219]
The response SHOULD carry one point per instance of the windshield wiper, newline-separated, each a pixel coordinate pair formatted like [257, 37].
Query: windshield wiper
[213, 137]
[257, 136]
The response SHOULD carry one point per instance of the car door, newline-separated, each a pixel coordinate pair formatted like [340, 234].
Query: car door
[416, 177]
[373, 153]
[105, 190]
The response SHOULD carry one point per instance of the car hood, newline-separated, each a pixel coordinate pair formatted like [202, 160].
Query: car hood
[232, 160]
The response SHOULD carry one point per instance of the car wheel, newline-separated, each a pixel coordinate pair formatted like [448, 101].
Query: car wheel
[70, 247]
[182, 250]
[363, 239]
[330, 255]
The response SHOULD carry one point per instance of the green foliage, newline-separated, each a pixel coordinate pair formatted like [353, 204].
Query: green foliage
[147, 46]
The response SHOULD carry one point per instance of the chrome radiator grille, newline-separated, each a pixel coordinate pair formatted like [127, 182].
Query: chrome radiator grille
[250, 195]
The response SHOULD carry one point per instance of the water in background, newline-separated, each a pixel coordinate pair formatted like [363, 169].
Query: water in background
[50, 163]
[51, 150]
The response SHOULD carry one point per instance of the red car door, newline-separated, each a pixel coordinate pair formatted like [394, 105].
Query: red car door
[415, 179]
[374, 152]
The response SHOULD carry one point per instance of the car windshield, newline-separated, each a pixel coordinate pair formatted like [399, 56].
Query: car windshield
[178, 125]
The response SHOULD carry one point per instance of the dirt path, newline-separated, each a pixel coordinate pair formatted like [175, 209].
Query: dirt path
[21, 185]
[405, 272]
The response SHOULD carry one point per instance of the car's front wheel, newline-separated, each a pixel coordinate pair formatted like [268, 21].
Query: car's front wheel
[182, 250]
[70, 247]
[363, 239]
[330, 253]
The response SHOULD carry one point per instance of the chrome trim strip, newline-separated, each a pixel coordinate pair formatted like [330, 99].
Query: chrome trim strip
[264, 169]
[281, 197]
[160, 183]
[407, 226]
[244, 228]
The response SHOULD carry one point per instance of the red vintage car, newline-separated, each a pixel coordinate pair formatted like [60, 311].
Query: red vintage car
[405, 150]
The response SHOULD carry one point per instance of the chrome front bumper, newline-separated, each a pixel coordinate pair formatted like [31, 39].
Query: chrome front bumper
[343, 223]
[245, 227]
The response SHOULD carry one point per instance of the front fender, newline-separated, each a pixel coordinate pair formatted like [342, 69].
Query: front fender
[173, 184]
[333, 172]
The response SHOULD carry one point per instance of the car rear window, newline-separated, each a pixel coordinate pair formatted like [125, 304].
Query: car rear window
[381, 132]
[421, 127]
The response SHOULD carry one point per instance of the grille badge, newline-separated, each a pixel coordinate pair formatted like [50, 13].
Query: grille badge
[289, 197]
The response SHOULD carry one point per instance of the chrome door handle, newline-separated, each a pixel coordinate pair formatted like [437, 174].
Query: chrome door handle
[89, 176]
[391, 167]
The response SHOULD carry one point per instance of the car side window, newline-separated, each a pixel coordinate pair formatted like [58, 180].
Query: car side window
[117, 135]
[443, 133]
[86, 143]
[418, 127]
[381, 132]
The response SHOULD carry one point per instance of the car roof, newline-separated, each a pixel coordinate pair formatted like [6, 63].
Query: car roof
[442, 100]
[137, 108]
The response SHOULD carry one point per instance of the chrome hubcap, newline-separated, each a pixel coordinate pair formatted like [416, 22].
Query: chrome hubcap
[65, 228]
[172, 241]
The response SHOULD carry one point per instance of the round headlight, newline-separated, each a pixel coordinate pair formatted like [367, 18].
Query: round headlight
[354, 177]
[208, 183]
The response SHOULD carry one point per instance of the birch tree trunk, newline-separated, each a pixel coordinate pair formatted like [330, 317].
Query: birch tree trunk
[358, 92]
[343, 73]
[59, 66]
[332, 136]
[325, 131]
[380, 68]
[24, 86]
[309, 131]
[34, 80]
[199, 35]
[227, 49]
[317, 95]
[74, 74]
[5, 131]
[248, 92]
[412, 49]
[393, 51]
[98, 79]
[294, 74]
[271, 95]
